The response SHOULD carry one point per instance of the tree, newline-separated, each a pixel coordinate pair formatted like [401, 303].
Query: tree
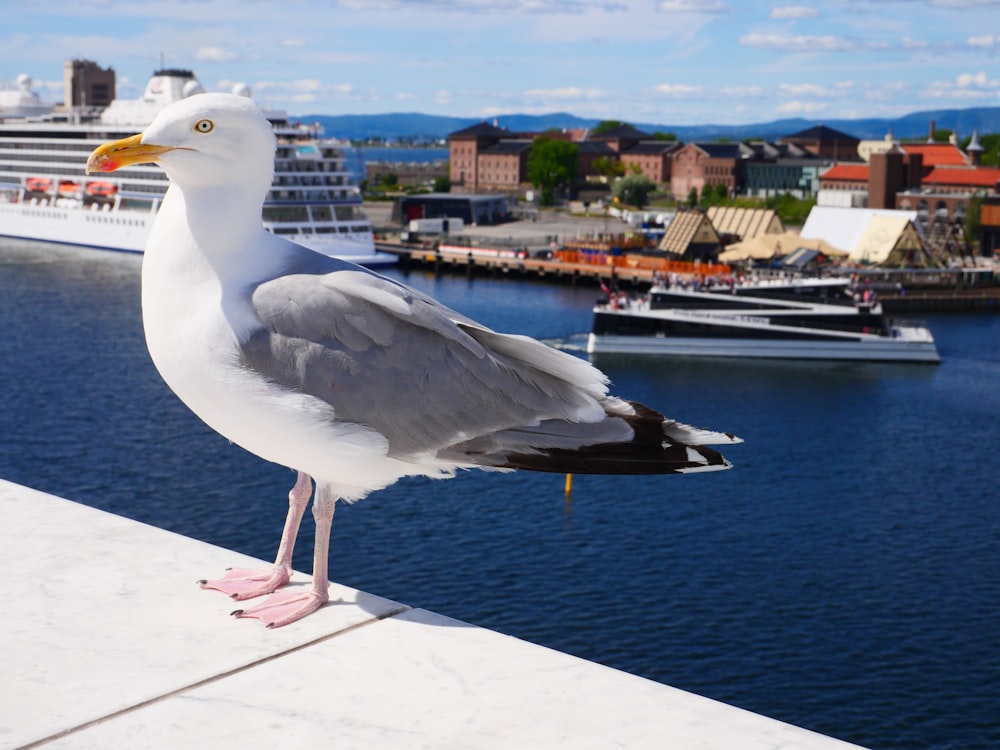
[707, 194]
[692, 200]
[991, 149]
[608, 167]
[973, 217]
[552, 165]
[659, 135]
[633, 189]
[791, 210]
[441, 185]
[605, 125]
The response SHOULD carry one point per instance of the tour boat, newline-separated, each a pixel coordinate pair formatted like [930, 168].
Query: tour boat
[684, 322]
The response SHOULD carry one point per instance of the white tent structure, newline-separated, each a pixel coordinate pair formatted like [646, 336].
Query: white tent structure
[869, 235]
[767, 246]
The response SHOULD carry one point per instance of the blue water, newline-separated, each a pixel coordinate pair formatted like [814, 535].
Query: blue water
[845, 576]
[401, 154]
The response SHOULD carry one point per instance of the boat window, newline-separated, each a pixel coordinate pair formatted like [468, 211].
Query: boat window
[322, 213]
[285, 213]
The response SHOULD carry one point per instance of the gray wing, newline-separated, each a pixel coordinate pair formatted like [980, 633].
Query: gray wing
[427, 378]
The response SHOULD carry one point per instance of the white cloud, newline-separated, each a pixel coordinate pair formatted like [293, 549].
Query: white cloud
[692, 6]
[292, 43]
[567, 92]
[793, 12]
[798, 43]
[986, 41]
[800, 108]
[976, 81]
[796, 90]
[307, 84]
[214, 54]
[965, 86]
[677, 89]
[742, 92]
[803, 89]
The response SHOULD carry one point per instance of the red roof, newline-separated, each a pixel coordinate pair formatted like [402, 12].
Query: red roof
[937, 154]
[847, 172]
[979, 177]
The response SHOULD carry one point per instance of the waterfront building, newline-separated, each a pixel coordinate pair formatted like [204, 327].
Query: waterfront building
[691, 237]
[780, 168]
[936, 180]
[699, 164]
[826, 142]
[654, 159]
[471, 209]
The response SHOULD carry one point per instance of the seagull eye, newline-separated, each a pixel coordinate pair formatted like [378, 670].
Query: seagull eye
[204, 126]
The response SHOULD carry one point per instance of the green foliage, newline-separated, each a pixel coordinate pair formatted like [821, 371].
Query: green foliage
[942, 136]
[991, 149]
[692, 200]
[608, 167]
[552, 164]
[605, 125]
[441, 185]
[633, 189]
[387, 180]
[973, 217]
[661, 136]
[791, 210]
[714, 194]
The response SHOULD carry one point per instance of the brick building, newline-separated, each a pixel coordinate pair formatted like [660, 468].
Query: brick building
[654, 159]
[989, 240]
[464, 148]
[699, 164]
[825, 142]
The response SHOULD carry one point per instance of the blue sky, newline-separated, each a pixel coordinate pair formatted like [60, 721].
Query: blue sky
[655, 61]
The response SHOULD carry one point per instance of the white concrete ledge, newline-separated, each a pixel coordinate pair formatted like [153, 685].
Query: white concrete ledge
[107, 642]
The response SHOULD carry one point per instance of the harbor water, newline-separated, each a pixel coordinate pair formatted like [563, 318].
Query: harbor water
[844, 576]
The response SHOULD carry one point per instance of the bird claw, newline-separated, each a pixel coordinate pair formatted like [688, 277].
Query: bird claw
[246, 583]
[284, 607]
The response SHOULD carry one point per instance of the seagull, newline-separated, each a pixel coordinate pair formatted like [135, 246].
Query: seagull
[351, 379]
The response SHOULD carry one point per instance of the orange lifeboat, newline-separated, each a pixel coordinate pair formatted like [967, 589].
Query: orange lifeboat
[38, 184]
[101, 189]
[68, 187]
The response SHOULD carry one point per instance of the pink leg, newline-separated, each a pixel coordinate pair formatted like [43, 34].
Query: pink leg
[283, 607]
[245, 583]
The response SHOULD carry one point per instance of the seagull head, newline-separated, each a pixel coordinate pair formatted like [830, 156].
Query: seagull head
[206, 140]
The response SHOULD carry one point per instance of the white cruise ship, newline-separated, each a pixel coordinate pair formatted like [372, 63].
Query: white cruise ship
[46, 195]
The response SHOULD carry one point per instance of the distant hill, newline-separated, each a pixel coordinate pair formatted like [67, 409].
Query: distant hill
[431, 127]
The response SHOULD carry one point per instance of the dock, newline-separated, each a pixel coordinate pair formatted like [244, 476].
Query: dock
[566, 267]
[631, 272]
[109, 643]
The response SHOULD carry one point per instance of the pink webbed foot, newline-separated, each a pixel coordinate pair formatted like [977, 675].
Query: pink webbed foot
[284, 607]
[246, 583]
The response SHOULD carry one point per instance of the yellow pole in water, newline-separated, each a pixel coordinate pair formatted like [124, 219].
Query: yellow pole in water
[569, 484]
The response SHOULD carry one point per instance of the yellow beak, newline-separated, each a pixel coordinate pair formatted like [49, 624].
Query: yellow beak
[116, 154]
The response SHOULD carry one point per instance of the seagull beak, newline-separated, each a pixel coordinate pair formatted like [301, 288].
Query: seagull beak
[116, 154]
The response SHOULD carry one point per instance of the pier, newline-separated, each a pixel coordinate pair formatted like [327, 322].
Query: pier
[563, 266]
[109, 643]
